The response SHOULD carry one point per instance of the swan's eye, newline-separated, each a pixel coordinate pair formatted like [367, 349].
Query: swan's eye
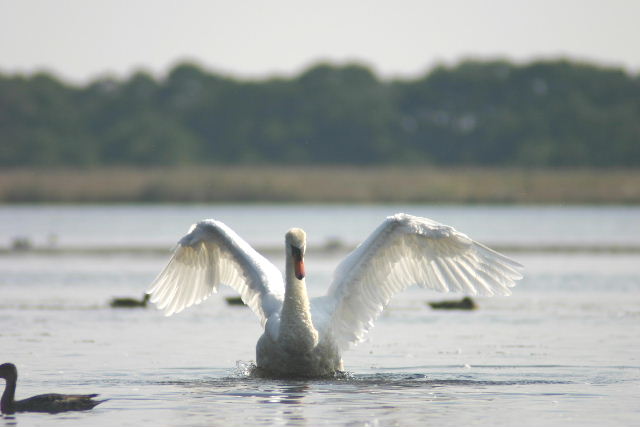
[296, 252]
[298, 263]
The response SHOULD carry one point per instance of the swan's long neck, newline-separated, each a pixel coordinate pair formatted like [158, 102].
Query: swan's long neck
[6, 403]
[297, 333]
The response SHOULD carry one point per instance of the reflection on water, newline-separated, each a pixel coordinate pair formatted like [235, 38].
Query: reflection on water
[381, 396]
[288, 394]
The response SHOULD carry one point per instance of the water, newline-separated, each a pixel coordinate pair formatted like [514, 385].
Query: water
[136, 225]
[563, 350]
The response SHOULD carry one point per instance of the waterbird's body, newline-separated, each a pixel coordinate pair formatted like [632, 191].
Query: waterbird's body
[465, 303]
[129, 302]
[303, 337]
[51, 403]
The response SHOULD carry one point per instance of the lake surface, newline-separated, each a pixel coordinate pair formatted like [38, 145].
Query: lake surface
[564, 349]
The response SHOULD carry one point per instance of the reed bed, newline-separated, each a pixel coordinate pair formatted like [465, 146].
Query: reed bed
[220, 184]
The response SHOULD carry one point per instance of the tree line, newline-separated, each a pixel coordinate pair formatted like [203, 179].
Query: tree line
[488, 113]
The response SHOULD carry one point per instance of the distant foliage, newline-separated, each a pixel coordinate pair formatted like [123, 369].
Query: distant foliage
[552, 113]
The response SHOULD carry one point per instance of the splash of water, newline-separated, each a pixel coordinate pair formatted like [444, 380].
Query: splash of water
[244, 369]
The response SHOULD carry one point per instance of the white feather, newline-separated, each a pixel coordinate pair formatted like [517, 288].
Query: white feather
[406, 250]
[212, 254]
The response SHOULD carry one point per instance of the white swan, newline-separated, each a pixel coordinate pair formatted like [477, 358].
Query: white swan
[303, 337]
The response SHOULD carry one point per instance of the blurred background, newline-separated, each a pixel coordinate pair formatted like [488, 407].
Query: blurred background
[125, 121]
[418, 101]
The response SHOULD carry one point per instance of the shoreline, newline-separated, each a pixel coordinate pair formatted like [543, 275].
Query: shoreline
[313, 184]
[324, 250]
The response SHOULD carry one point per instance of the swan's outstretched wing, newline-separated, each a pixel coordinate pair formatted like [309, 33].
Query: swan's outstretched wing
[212, 254]
[406, 250]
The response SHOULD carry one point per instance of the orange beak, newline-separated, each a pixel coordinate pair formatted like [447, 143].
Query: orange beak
[298, 264]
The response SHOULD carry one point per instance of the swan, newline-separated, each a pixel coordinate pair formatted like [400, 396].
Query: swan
[51, 403]
[303, 337]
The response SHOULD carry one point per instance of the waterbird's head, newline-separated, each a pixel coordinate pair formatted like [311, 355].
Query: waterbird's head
[296, 243]
[8, 371]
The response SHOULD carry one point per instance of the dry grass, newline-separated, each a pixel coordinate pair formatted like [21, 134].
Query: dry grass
[320, 184]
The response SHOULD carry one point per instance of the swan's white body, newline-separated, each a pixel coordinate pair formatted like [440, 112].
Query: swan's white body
[303, 337]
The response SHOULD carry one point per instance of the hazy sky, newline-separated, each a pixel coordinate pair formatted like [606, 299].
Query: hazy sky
[81, 39]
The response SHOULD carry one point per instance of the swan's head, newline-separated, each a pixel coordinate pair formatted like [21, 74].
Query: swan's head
[296, 243]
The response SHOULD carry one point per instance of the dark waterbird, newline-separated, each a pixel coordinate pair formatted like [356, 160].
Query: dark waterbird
[235, 301]
[465, 303]
[51, 403]
[129, 302]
